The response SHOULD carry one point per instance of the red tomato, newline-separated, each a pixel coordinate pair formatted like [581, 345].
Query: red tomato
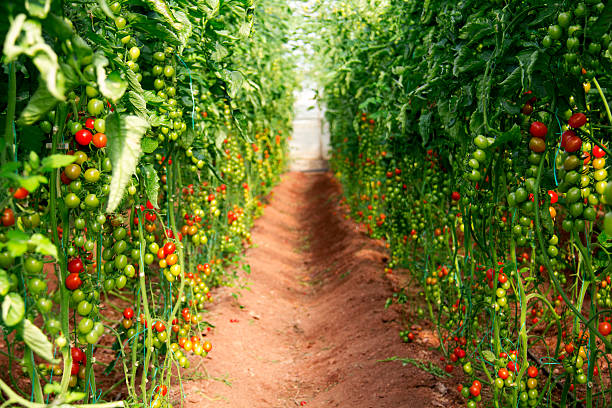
[598, 152]
[90, 123]
[20, 193]
[75, 265]
[538, 129]
[565, 136]
[554, 197]
[128, 312]
[169, 248]
[8, 217]
[73, 281]
[577, 120]
[77, 354]
[605, 328]
[455, 196]
[532, 371]
[83, 137]
[573, 144]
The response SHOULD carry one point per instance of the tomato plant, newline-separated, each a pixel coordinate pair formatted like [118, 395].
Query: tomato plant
[474, 138]
[121, 120]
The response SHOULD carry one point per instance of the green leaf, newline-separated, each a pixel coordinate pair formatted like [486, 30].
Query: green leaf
[5, 282]
[219, 53]
[17, 244]
[186, 28]
[151, 183]
[43, 245]
[512, 135]
[124, 134]
[112, 87]
[149, 145]
[488, 355]
[38, 106]
[234, 79]
[150, 96]
[38, 342]
[55, 161]
[25, 37]
[105, 9]
[13, 309]
[162, 8]
[138, 103]
[31, 183]
[38, 8]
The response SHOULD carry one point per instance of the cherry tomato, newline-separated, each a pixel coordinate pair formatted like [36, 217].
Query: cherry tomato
[605, 328]
[83, 137]
[8, 217]
[99, 140]
[20, 193]
[73, 281]
[538, 129]
[75, 265]
[577, 120]
[573, 144]
[128, 312]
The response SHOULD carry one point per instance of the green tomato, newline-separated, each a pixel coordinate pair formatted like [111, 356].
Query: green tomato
[72, 200]
[555, 32]
[120, 22]
[95, 107]
[91, 201]
[33, 265]
[100, 125]
[134, 53]
[168, 71]
[84, 308]
[115, 7]
[564, 19]
[85, 325]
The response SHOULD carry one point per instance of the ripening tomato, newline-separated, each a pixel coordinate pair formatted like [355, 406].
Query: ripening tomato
[169, 248]
[538, 129]
[99, 140]
[577, 120]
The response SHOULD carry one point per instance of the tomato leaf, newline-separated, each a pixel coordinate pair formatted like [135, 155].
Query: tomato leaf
[149, 145]
[43, 245]
[25, 37]
[38, 8]
[151, 183]
[5, 282]
[138, 103]
[113, 87]
[488, 355]
[55, 161]
[13, 309]
[124, 134]
[38, 342]
[38, 106]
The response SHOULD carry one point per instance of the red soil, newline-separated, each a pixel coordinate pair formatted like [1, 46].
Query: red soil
[312, 328]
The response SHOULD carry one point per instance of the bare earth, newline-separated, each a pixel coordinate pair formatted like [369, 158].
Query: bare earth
[312, 329]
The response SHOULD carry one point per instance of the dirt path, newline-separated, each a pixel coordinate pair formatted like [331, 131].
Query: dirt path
[312, 328]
